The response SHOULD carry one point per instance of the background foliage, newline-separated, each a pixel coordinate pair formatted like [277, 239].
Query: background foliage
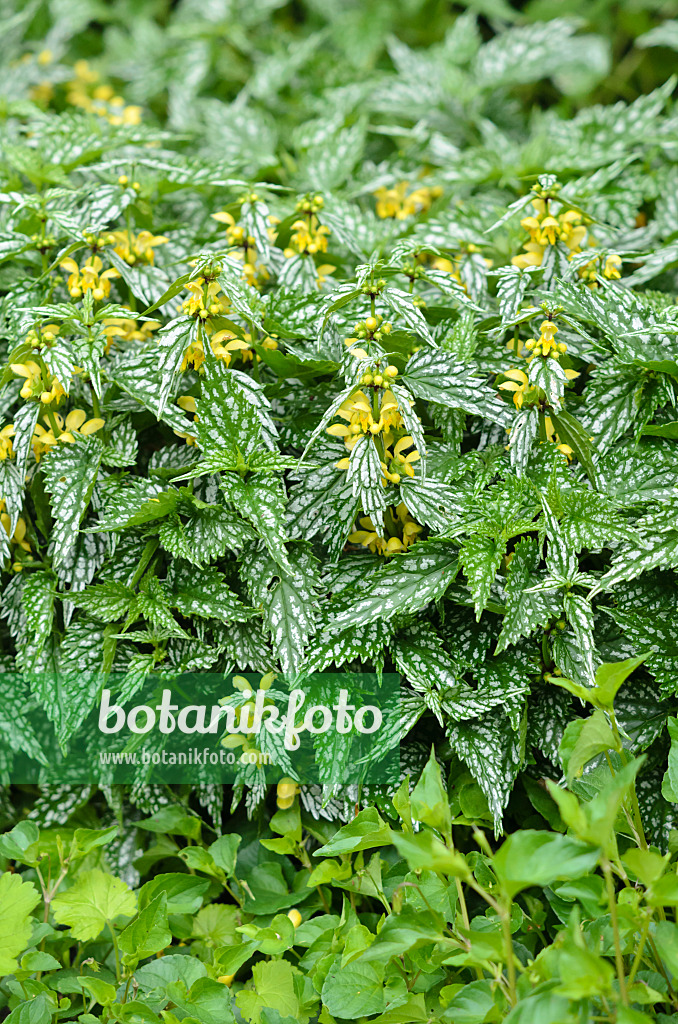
[343, 336]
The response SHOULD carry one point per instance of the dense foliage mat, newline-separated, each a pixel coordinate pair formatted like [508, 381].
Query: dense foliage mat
[343, 340]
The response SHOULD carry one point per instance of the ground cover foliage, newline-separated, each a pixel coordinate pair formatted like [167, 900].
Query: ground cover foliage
[343, 337]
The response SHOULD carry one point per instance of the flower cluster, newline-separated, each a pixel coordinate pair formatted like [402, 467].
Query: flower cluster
[76, 423]
[100, 99]
[136, 248]
[546, 345]
[206, 300]
[371, 329]
[401, 530]
[90, 276]
[546, 228]
[38, 382]
[398, 203]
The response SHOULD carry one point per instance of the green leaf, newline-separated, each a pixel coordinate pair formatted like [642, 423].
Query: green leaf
[364, 475]
[93, 900]
[274, 987]
[494, 753]
[402, 586]
[429, 800]
[205, 594]
[17, 900]
[68, 694]
[435, 376]
[571, 432]
[108, 601]
[424, 852]
[228, 417]
[583, 740]
[529, 858]
[184, 892]
[207, 1001]
[135, 503]
[670, 780]
[148, 933]
[261, 501]
[172, 341]
[70, 472]
[580, 616]
[354, 991]
[480, 558]
[525, 612]
[367, 831]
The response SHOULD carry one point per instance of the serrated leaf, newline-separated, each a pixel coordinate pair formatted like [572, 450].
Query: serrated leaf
[261, 501]
[364, 475]
[494, 753]
[206, 594]
[406, 584]
[435, 376]
[525, 611]
[70, 472]
[480, 558]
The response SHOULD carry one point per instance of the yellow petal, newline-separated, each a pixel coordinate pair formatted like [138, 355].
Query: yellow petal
[75, 419]
[92, 426]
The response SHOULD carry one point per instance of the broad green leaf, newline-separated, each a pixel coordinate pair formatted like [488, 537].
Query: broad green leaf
[17, 900]
[94, 900]
[367, 831]
[148, 934]
[528, 858]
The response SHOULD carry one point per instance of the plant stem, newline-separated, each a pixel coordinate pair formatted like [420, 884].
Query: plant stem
[612, 903]
[116, 951]
[505, 917]
[641, 946]
[56, 430]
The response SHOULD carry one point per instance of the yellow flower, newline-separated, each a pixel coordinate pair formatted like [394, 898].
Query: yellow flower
[187, 403]
[205, 300]
[76, 423]
[117, 329]
[358, 411]
[612, 268]
[401, 532]
[294, 916]
[134, 249]
[518, 384]
[554, 439]
[549, 231]
[532, 257]
[19, 535]
[395, 202]
[572, 231]
[193, 356]
[225, 344]
[33, 374]
[6, 435]
[400, 462]
[90, 276]
[34, 384]
[308, 237]
[286, 791]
